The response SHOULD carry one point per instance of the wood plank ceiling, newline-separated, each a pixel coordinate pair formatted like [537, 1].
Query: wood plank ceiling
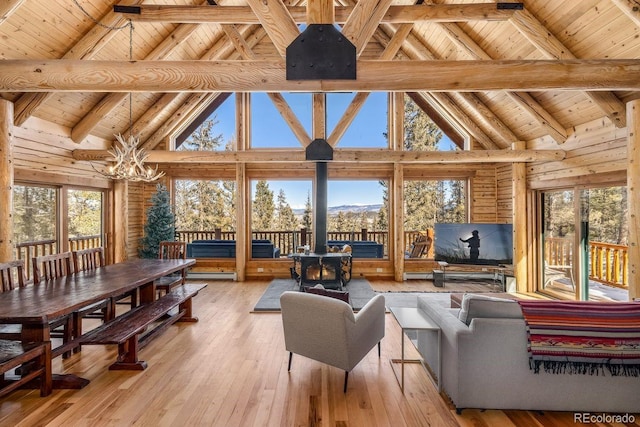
[502, 74]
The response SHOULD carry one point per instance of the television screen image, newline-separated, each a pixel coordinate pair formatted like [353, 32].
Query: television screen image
[483, 244]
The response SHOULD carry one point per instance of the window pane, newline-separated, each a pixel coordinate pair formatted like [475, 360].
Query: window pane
[559, 237]
[217, 132]
[358, 210]
[34, 213]
[280, 210]
[269, 129]
[84, 218]
[369, 127]
[202, 206]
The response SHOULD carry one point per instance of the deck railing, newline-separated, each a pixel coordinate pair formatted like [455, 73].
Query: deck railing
[607, 262]
[289, 241]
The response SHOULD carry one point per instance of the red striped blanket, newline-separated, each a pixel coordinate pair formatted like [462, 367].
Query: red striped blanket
[583, 337]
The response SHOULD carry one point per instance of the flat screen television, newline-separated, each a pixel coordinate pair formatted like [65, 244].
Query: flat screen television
[482, 244]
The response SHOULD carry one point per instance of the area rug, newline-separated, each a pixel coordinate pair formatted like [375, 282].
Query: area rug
[583, 337]
[360, 292]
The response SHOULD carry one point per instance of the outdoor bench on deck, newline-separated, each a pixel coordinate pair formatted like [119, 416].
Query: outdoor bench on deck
[126, 330]
[15, 353]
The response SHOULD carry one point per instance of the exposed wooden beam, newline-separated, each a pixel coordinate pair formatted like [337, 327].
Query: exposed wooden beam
[191, 106]
[8, 7]
[553, 127]
[269, 76]
[277, 21]
[415, 49]
[319, 116]
[86, 48]
[458, 36]
[435, 115]
[290, 118]
[108, 103]
[492, 124]
[631, 8]
[339, 155]
[319, 12]
[444, 101]
[533, 30]
[347, 118]
[364, 21]
[395, 14]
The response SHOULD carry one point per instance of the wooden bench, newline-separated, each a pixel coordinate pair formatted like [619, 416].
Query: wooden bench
[127, 329]
[38, 358]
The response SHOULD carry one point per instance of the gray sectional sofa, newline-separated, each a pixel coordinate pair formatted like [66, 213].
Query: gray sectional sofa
[485, 364]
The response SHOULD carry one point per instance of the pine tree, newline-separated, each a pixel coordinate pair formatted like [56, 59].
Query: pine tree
[160, 223]
[307, 216]
[263, 208]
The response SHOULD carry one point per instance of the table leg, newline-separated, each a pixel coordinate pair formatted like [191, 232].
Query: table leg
[42, 333]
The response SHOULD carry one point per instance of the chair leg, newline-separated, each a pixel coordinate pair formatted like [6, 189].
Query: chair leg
[290, 357]
[379, 350]
[346, 378]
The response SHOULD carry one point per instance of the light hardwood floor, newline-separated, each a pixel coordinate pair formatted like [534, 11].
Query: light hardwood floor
[230, 369]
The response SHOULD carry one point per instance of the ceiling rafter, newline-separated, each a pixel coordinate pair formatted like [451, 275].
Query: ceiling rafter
[391, 49]
[417, 49]
[395, 14]
[485, 117]
[109, 102]
[364, 21]
[8, 8]
[86, 48]
[245, 51]
[277, 21]
[551, 126]
[540, 36]
[219, 50]
[631, 8]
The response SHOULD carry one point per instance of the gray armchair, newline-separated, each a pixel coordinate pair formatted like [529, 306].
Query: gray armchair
[326, 329]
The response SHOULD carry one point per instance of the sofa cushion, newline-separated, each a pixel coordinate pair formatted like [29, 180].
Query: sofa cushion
[477, 306]
[320, 290]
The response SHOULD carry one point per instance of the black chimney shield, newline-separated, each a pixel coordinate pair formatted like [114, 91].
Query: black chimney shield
[319, 149]
[321, 52]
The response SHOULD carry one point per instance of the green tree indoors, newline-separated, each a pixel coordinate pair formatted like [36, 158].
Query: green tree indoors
[160, 224]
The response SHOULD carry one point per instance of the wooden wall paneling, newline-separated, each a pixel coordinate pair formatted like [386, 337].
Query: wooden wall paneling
[6, 181]
[633, 182]
[504, 203]
[483, 190]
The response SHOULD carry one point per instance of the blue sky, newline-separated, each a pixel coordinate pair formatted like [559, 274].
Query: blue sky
[270, 130]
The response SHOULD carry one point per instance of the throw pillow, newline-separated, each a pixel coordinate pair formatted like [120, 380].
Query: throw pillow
[478, 306]
[320, 290]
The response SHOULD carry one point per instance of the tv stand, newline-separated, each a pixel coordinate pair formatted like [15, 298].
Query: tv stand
[499, 271]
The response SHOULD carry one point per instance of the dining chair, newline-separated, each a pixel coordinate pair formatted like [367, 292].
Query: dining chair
[87, 260]
[171, 250]
[12, 273]
[49, 267]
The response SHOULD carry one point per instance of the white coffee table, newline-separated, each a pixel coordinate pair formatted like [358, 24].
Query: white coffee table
[414, 319]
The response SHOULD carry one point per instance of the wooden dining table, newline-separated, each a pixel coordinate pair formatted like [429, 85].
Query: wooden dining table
[35, 306]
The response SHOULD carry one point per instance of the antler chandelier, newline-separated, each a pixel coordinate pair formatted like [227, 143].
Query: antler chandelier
[129, 161]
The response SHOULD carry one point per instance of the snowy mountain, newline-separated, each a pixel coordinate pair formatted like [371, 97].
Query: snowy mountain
[333, 210]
